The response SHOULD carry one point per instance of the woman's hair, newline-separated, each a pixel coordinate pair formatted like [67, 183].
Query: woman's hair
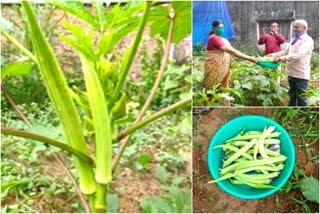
[215, 24]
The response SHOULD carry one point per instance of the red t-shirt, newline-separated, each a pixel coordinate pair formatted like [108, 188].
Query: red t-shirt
[214, 42]
[272, 42]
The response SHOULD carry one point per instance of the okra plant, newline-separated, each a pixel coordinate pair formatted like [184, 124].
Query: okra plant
[105, 73]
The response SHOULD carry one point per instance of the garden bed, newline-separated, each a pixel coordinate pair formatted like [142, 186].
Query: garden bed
[251, 85]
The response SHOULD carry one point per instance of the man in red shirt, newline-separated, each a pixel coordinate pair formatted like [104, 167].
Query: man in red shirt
[273, 39]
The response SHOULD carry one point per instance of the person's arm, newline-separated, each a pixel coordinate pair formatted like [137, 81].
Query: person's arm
[280, 38]
[234, 52]
[262, 40]
[280, 53]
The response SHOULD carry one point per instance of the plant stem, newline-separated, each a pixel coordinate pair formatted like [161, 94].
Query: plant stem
[58, 158]
[127, 64]
[19, 46]
[152, 93]
[136, 126]
[14, 106]
[161, 71]
[46, 140]
[100, 200]
[73, 181]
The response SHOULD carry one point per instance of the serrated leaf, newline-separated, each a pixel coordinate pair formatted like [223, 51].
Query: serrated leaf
[81, 42]
[78, 9]
[100, 13]
[310, 188]
[17, 68]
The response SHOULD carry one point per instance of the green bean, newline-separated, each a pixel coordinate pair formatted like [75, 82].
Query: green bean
[253, 163]
[240, 152]
[234, 149]
[244, 166]
[250, 137]
[253, 184]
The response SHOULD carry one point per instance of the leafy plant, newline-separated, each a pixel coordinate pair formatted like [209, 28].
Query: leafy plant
[104, 101]
[313, 95]
[257, 86]
[250, 85]
[310, 188]
[198, 49]
[176, 201]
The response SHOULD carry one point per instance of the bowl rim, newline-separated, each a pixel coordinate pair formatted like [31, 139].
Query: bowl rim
[268, 191]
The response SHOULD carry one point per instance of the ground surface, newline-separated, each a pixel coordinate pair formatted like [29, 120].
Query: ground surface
[209, 198]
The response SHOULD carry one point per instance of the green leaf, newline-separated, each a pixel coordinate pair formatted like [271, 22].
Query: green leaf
[169, 84]
[113, 203]
[156, 204]
[50, 132]
[130, 54]
[80, 41]
[17, 68]
[7, 186]
[182, 200]
[78, 9]
[100, 13]
[310, 188]
[182, 20]
[162, 174]
[247, 85]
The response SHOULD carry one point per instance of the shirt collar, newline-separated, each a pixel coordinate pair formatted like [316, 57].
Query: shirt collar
[303, 36]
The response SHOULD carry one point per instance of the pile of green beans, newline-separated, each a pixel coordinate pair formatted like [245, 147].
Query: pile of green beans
[252, 158]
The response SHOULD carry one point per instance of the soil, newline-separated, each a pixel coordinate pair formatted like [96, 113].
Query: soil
[209, 198]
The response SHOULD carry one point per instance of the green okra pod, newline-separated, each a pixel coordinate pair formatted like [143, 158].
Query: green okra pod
[234, 149]
[250, 137]
[253, 163]
[240, 152]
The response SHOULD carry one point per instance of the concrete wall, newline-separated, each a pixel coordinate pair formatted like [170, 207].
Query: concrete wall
[244, 17]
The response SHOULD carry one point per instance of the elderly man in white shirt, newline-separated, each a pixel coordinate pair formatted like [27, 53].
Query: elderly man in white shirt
[297, 57]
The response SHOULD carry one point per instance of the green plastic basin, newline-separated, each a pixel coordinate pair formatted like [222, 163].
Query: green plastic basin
[268, 64]
[231, 129]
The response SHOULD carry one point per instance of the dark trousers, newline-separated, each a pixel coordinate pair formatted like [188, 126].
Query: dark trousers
[297, 87]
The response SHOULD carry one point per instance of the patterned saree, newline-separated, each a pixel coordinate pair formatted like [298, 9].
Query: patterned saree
[217, 68]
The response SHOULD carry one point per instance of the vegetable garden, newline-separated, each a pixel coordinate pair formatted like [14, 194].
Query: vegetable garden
[250, 85]
[88, 96]
[301, 192]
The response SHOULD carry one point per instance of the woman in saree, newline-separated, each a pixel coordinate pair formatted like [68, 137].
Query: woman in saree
[217, 63]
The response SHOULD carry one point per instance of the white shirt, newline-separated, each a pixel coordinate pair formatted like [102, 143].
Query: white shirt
[298, 57]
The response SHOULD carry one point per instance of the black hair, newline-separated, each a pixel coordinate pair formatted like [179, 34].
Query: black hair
[215, 24]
